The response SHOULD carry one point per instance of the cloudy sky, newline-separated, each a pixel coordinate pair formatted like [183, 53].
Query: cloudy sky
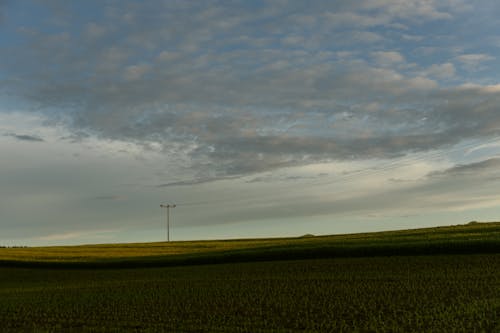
[258, 118]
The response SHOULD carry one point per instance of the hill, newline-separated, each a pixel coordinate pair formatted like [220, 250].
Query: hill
[460, 239]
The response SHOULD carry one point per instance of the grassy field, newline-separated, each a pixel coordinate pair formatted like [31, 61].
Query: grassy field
[378, 282]
[460, 239]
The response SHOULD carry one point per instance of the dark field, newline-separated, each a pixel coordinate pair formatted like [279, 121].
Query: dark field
[378, 294]
[377, 282]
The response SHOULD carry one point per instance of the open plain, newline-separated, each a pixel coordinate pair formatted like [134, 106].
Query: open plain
[437, 279]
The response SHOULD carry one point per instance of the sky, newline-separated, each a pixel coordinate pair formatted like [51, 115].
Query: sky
[257, 118]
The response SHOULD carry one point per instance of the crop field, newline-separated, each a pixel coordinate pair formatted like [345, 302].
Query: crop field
[460, 239]
[346, 292]
[377, 294]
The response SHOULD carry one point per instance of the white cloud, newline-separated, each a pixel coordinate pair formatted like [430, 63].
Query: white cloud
[474, 61]
[388, 58]
[441, 71]
[413, 9]
[353, 19]
[482, 147]
[494, 88]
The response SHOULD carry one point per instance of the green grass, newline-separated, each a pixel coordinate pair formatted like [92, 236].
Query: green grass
[470, 238]
[443, 279]
[452, 293]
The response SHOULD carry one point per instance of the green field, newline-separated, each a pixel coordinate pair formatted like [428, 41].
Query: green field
[428, 280]
[461, 239]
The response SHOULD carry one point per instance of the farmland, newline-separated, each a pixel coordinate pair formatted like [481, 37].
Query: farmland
[356, 283]
[461, 239]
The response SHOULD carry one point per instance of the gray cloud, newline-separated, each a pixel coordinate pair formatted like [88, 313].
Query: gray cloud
[470, 185]
[193, 182]
[25, 137]
[273, 178]
[206, 81]
[483, 169]
[109, 198]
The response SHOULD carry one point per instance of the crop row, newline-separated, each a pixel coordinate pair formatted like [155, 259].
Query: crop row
[400, 294]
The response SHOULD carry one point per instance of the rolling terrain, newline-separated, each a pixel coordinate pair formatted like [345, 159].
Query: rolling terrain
[427, 280]
[460, 239]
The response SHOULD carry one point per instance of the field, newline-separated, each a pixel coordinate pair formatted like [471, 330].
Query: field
[461, 239]
[427, 280]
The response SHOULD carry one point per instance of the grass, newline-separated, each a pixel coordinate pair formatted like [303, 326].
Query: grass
[470, 238]
[450, 293]
[371, 282]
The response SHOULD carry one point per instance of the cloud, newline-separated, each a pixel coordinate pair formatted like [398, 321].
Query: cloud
[193, 182]
[62, 236]
[387, 12]
[94, 31]
[136, 72]
[477, 170]
[353, 19]
[25, 137]
[482, 146]
[429, 10]
[267, 122]
[109, 198]
[474, 61]
[285, 179]
[76, 235]
[208, 85]
[413, 38]
[183, 100]
[388, 58]
[441, 71]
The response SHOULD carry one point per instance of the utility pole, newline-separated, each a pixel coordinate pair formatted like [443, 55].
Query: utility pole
[168, 206]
